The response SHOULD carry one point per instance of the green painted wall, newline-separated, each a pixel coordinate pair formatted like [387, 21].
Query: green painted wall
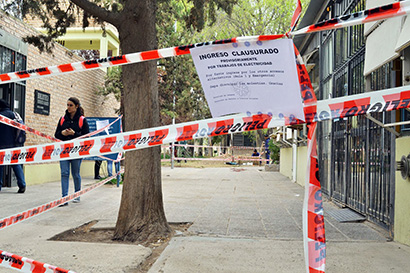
[402, 203]
[44, 173]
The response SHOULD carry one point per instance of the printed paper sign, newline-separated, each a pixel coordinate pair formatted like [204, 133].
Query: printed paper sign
[250, 77]
[101, 124]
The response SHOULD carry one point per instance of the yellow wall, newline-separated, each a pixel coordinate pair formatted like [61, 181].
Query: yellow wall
[44, 173]
[286, 162]
[301, 165]
[402, 203]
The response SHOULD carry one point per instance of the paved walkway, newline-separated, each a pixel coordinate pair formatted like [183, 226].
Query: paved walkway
[243, 220]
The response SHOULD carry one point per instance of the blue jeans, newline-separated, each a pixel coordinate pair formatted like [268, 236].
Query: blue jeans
[18, 171]
[65, 174]
[109, 168]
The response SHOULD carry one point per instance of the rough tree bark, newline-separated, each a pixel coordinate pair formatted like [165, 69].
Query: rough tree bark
[141, 216]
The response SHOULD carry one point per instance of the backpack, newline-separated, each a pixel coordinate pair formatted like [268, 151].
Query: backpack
[20, 134]
[80, 121]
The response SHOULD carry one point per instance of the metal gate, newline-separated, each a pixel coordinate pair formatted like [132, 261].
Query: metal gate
[361, 176]
[361, 167]
[381, 171]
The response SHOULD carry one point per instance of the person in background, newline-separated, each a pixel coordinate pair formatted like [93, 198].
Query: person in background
[72, 125]
[7, 140]
[255, 153]
[97, 166]
[109, 168]
[266, 146]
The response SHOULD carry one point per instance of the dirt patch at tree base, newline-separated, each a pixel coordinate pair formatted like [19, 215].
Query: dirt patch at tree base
[86, 233]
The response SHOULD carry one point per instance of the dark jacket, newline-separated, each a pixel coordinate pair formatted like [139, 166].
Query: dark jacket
[7, 133]
[73, 124]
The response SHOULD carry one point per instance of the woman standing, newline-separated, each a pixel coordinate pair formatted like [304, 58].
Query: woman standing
[72, 125]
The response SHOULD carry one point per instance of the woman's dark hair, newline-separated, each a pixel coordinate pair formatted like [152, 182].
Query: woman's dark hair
[4, 104]
[77, 103]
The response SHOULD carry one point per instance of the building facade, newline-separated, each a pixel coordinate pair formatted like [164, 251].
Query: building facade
[41, 102]
[357, 155]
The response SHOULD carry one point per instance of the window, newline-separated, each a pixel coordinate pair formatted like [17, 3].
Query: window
[341, 46]
[358, 79]
[381, 78]
[341, 84]
[14, 93]
[20, 62]
[6, 60]
[357, 34]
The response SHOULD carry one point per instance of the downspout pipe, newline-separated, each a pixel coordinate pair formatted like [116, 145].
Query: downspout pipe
[294, 155]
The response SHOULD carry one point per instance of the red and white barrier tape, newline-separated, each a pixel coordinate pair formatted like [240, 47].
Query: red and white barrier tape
[370, 102]
[201, 159]
[216, 159]
[216, 147]
[22, 264]
[377, 101]
[314, 235]
[383, 12]
[121, 60]
[24, 127]
[295, 17]
[12, 123]
[19, 217]
[313, 221]
[379, 13]
[101, 129]
[121, 142]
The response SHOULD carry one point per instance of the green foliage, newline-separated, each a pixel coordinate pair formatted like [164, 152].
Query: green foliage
[253, 18]
[224, 20]
[217, 139]
[204, 12]
[112, 84]
[114, 180]
[56, 19]
[274, 151]
[165, 156]
[251, 135]
[177, 75]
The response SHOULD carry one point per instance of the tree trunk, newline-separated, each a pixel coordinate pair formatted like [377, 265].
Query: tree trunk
[141, 216]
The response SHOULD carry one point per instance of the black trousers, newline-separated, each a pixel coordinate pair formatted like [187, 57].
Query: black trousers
[97, 166]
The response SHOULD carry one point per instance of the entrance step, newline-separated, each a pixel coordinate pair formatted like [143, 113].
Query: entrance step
[345, 215]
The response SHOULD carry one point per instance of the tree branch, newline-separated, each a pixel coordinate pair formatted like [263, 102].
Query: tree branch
[101, 13]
